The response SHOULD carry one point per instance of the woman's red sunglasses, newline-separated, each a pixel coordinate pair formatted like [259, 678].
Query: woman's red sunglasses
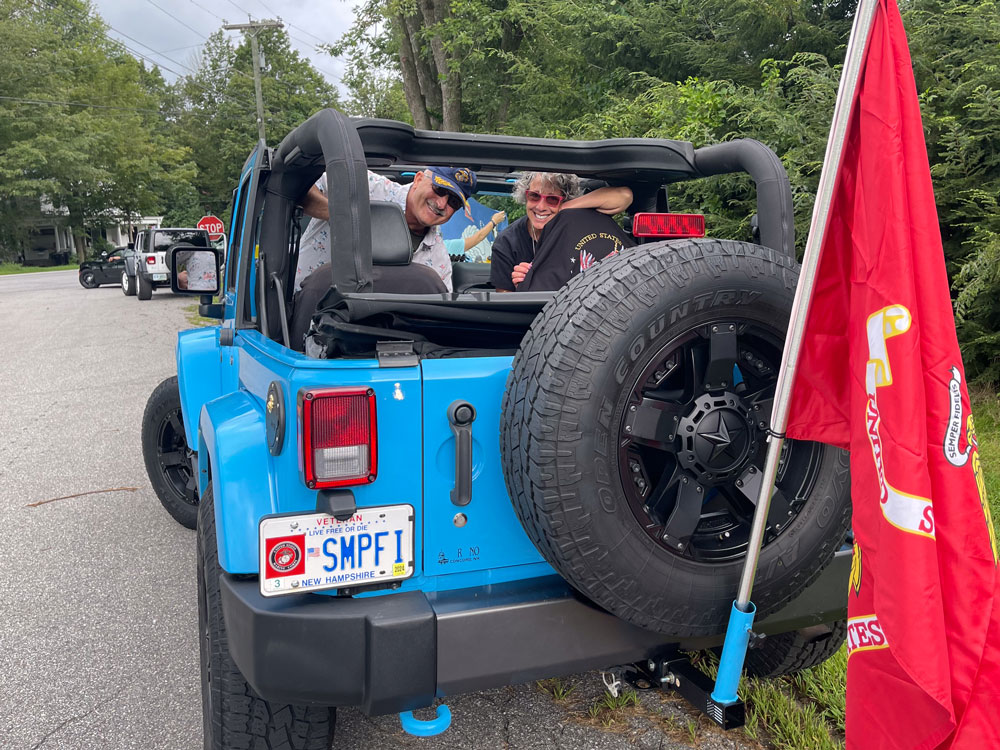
[552, 201]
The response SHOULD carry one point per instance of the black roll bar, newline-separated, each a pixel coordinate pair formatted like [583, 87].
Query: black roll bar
[774, 192]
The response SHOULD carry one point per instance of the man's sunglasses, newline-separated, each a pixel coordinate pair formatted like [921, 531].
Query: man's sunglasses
[453, 200]
[552, 201]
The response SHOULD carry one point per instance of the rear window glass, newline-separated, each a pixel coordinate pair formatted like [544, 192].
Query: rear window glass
[164, 240]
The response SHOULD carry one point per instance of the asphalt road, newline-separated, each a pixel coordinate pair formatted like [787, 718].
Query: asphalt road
[98, 644]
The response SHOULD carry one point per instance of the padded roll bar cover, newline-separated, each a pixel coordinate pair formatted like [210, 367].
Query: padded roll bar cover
[391, 244]
[329, 140]
[775, 213]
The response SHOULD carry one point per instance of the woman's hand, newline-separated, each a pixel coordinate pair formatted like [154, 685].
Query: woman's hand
[498, 217]
[520, 271]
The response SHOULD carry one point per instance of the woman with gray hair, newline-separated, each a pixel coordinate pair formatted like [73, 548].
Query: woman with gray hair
[544, 194]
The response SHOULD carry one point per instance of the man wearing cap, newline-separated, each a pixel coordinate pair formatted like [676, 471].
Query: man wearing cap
[430, 200]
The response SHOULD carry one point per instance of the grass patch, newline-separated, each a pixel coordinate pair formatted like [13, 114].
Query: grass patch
[609, 710]
[7, 269]
[558, 688]
[195, 320]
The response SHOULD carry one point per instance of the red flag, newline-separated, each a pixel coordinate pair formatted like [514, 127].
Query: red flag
[880, 373]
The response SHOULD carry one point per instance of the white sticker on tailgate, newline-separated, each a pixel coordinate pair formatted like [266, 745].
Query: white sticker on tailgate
[316, 551]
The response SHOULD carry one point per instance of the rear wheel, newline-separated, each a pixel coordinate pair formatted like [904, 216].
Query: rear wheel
[234, 715]
[788, 653]
[166, 453]
[128, 284]
[145, 286]
[88, 280]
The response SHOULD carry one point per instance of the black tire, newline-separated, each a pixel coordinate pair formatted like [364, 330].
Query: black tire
[165, 451]
[88, 280]
[234, 715]
[788, 653]
[144, 287]
[128, 284]
[653, 525]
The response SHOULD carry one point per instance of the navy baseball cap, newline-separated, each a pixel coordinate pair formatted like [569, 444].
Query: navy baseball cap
[460, 182]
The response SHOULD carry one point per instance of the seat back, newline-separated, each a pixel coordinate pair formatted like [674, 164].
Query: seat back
[391, 244]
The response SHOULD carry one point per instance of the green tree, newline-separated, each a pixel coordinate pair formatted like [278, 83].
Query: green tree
[80, 122]
[219, 122]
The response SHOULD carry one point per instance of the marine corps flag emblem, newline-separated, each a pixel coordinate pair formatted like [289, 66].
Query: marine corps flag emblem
[880, 373]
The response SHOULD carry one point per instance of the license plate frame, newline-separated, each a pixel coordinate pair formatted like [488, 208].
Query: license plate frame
[294, 554]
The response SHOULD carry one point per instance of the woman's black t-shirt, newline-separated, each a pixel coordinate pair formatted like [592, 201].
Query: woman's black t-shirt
[513, 245]
[573, 241]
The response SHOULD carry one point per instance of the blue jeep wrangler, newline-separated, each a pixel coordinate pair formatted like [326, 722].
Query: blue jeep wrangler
[460, 491]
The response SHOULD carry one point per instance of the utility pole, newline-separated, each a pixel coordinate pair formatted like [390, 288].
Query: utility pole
[253, 27]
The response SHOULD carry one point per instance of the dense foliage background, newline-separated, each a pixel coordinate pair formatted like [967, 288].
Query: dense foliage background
[83, 122]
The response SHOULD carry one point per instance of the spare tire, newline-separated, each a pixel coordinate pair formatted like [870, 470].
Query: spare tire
[634, 429]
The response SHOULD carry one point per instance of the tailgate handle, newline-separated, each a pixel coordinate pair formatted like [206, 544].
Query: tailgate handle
[461, 415]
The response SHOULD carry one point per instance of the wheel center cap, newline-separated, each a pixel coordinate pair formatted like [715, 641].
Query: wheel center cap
[717, 438]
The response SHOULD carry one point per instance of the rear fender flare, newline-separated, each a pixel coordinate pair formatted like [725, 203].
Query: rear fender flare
[199, 374]
[232, 449]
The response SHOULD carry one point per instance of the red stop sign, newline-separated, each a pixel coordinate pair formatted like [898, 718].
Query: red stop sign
[214, 226]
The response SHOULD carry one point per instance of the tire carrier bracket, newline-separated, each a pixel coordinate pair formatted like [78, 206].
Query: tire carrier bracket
[676, 673]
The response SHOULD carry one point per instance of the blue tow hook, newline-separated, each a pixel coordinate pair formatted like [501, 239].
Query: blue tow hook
[430, 728]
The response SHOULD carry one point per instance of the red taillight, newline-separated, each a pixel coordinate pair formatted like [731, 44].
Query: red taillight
[339, 445]
[150, 260]
[668, 225]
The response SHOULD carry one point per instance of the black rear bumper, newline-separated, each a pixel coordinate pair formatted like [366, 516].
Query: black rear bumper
[398, 651]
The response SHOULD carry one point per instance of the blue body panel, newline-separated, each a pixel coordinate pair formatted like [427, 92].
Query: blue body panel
[492, 536]
[199, 376]
[415, 463]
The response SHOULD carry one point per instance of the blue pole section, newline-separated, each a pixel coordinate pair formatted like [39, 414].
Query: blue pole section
[734, 651]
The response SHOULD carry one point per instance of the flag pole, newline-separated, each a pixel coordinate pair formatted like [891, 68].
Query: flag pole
[741, 617]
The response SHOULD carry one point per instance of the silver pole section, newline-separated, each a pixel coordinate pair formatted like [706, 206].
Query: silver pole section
[253, 27]
[856, 46]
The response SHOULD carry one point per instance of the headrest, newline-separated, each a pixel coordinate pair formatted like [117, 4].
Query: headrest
[390, 235]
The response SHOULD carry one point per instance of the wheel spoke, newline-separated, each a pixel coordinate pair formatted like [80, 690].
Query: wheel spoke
[749, 485]
[173, 458]
[761, 403]
[653, 422]
[684, 518]
[722, 353]
[174, 422]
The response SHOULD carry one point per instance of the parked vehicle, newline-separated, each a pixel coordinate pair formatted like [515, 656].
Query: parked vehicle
[105, 269]
[48, 245]
[463, 491]
[150, 267]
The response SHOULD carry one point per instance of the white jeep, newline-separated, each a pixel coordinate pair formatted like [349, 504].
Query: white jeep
[150, 266]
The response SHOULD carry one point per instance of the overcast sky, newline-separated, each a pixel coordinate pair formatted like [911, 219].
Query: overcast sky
[171, 32]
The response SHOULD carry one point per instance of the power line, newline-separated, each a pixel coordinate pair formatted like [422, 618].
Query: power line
[87, 104]
[136, 53]
[182, 23]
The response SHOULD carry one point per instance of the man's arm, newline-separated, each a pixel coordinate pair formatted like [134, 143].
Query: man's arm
[315, 204]
[607, 200]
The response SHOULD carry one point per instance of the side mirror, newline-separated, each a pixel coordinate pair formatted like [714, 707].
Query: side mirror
[194, 270]
[131, 246]
[104, 254]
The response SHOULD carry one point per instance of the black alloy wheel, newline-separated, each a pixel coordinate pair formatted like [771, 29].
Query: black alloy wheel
[88, 280]
[167, 455]
[691, 457]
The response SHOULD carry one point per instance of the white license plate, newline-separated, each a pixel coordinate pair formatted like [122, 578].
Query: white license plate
[316, 551]
[159, 277]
